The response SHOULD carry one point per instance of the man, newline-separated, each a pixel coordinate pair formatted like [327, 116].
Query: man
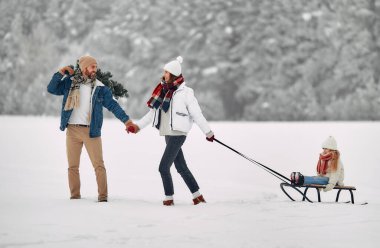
[82, 114]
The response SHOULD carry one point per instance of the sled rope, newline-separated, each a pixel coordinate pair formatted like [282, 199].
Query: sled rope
[266, 168]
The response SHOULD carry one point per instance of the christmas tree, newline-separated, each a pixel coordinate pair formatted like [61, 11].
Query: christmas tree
[117, 89]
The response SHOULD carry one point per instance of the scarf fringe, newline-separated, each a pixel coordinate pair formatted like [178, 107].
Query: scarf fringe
[72, 100]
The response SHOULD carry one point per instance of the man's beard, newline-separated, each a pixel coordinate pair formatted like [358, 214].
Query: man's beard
[91, 76]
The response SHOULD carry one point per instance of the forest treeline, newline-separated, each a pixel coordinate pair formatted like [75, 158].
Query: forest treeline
[259, 60]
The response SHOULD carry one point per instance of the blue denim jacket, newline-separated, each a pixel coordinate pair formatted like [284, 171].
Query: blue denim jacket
[102, 97]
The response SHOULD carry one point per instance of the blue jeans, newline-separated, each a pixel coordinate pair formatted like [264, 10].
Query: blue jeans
[316, 180]
[173, 153]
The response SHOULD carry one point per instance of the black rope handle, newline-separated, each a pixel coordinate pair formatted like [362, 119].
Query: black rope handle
[266, 168]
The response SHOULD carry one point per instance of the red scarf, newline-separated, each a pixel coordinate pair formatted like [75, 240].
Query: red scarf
[323, 161]
[163, 93]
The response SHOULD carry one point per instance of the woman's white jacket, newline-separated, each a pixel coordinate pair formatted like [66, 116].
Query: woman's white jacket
[184, 110]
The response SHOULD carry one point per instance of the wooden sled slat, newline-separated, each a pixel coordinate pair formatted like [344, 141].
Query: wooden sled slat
[324, 186]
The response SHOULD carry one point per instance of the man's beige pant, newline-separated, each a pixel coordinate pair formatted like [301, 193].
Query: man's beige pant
[75, 138]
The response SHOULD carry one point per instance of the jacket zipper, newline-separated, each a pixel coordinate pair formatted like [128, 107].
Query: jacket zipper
[92, 103]
[171, 111]
[154, 119]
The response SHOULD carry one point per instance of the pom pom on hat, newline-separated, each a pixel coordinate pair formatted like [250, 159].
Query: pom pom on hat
[179, 59]
[330, 143]
[174, 67]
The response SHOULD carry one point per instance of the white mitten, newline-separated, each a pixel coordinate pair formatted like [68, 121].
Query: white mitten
[329, 187]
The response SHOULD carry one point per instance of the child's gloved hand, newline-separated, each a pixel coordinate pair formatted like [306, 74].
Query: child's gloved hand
[329, 187]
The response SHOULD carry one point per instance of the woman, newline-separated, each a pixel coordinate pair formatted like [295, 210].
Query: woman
[173, 110]
[330, 171]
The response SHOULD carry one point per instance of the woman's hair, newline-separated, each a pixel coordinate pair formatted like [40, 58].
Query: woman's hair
[334, 160]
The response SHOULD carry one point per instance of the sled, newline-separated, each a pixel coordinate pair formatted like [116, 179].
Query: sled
[286, 181]
[317, 187]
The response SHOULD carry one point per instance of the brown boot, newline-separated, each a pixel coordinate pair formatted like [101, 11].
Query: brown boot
[199, 199]
[168, 202]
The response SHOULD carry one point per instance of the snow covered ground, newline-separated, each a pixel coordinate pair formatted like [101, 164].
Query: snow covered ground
[245, 208]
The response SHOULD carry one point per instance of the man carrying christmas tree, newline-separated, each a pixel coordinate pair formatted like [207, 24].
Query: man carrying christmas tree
[82, 114]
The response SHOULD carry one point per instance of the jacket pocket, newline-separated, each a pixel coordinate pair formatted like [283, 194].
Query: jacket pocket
[99, 99]
[98, 104]
[181, 114]
[181, 122]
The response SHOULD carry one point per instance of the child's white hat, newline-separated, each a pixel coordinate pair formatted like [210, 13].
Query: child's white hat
[330, 143]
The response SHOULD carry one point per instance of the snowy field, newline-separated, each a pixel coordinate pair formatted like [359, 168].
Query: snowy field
[245, 206]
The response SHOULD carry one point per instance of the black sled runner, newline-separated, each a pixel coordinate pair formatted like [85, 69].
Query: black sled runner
[318, 188]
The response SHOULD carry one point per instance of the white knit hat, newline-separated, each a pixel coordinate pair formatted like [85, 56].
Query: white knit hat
[174, 67]
[330, 143]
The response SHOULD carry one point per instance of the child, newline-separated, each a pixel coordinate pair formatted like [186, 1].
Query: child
[173, 110]
[330, 171]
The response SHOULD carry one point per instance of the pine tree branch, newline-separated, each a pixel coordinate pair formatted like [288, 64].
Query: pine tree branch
[117, 89]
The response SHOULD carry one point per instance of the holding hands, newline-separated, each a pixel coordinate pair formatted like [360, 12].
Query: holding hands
[131, 127]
